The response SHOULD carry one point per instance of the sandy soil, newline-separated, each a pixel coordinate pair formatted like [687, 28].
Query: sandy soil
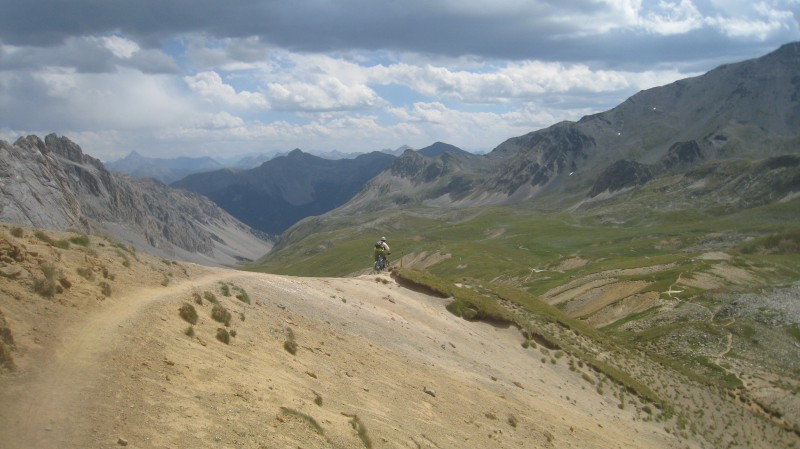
[96, 371]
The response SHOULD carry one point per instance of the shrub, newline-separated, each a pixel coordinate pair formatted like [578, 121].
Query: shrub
[189, 331]
[361, 430]
[105, 288]
[197, 298]
[85, 273]
[223, 335]
[290, 345]
[188, 313]
[63, 244]
[210, 297]
[243, 296]
[308, 419]
[46, 286]
[221, 314]
[512, 421]
[17, 232]
[165, 281]
[81, 240]
[225, 289]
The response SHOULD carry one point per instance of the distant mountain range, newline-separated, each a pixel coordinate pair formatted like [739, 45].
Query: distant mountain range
[286, 189]
[164, 170]
[51, 184]
[748, 111]
[169, 170]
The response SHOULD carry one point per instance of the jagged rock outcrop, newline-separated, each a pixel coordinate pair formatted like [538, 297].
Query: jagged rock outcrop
[621, 174]
[51, 184]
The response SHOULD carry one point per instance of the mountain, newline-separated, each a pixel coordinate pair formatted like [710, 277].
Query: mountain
[748, 110]
[286, 189]
[51, 184]
[164, 170]
[397, 151]
[439, 148]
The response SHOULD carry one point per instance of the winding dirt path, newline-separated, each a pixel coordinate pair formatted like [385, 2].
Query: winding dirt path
[53, 402]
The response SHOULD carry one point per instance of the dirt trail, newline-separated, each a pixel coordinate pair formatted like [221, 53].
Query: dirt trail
[53, 400]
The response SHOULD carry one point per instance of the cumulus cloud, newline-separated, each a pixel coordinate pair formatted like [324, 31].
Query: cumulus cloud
[352, 74]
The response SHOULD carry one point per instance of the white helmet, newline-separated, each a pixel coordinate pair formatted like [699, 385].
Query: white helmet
[383, 239]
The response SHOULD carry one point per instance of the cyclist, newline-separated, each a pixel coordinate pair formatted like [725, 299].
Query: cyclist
[381, 250]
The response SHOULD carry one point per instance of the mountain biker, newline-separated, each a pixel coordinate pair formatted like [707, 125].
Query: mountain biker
[381, 249]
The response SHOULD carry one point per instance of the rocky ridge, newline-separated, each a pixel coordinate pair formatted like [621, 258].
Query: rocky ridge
[52, 184]
[746, 111]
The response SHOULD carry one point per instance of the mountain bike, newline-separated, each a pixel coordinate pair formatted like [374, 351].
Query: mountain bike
[380, 264]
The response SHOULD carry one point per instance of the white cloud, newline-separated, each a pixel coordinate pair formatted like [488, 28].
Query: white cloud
[517, 81]
[764, 20]
[119, 46]
[210, 86]
[672, 17]
[329, 93]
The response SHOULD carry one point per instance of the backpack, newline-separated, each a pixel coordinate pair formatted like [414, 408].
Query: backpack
[379, 246]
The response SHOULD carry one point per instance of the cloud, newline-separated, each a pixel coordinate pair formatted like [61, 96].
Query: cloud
[87, 54]
[209, 85]
[264, 75]
[515, 29]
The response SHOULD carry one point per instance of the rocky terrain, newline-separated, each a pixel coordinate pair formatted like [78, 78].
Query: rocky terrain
[51, 184]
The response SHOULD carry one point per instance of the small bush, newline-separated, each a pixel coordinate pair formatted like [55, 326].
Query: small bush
[233, 333]
[125, 261]
[85, 273]
[189, 331]
[122, 246]
[243, 296]
[210, 297]
[225, 290]
[223, 335]
[165, 282]
[221, 314]
[308, 419]
[105, 288]
[63, 244]
[46, 286]
[188, 313]
[17, 232]
[80, 240]
[512, 421]
[361, 430]
[290, 345]
[197, 298]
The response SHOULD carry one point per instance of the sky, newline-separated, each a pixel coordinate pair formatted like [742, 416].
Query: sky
[225, 79]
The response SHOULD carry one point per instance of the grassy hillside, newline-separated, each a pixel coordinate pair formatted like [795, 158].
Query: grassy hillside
[707, 293]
